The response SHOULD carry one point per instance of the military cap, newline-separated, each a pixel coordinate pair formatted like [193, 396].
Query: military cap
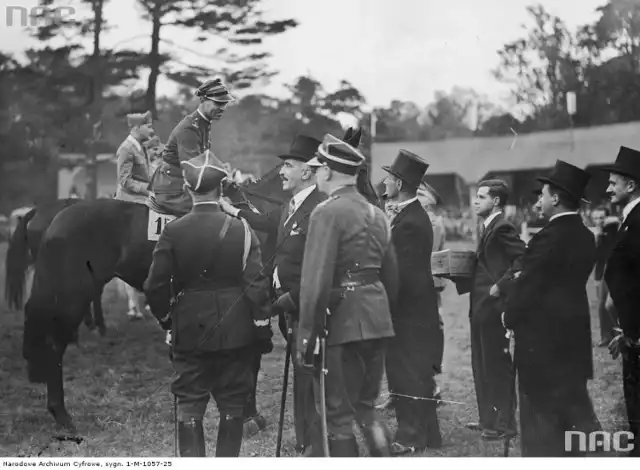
[409, 167]
[203, 173]
[627, 163]
[337, 155]
[138, 119]
[214, 90]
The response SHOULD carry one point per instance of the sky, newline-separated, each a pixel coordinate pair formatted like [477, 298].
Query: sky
[388, 49]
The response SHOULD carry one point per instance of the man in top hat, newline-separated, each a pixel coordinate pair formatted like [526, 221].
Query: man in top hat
[348, 283]
[548, 311]
[188, 139]
[213, 263]
[290, 224]
[415, 353]
[133, 161]
[499, 249]
[621, 275]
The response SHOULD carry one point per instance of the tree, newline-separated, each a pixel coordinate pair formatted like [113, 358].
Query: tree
[232, 23]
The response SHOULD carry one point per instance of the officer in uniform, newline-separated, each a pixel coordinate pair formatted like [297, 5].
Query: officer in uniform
[188, 139]
[213, 262]
[349, 270]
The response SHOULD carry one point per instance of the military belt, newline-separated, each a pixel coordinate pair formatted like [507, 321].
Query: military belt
[360, 278]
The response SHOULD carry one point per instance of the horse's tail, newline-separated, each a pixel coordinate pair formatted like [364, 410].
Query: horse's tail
[16, 263]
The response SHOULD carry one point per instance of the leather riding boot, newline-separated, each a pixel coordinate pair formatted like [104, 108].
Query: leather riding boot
[343, 447]
[377, 437]
[191, 439]
[229, 436]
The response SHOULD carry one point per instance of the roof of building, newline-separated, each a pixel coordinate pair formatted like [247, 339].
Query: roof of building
[473, 158]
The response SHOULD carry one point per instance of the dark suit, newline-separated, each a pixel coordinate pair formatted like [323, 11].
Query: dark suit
[605, 241]
[499, 248]
[622, 276]
[348, 240]
[415, 353]
[213, 286]
[290, 244]
[548, 311]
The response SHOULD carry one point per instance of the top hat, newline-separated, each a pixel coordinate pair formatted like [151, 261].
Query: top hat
[409, 167]
[627, 163]
[203, 173]
[214, 90]
[303, 148]
[569, 178]
[338, 155]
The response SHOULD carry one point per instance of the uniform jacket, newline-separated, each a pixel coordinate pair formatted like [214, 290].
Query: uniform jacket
[548, 309]
[416, 318]
[291, 238]
[188, 139]
[210, 279]
[347, 233]
[499, 250]
[622, 274]
[133, 171]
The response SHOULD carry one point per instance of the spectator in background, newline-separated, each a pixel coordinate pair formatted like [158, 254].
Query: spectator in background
[154, 148]
[605, 229]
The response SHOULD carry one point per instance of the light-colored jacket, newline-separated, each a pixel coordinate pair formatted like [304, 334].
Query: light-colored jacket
[133, 171]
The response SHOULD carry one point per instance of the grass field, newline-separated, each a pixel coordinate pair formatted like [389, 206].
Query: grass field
[117, 391]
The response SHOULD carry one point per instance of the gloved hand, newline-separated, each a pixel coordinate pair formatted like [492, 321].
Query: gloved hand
[263, 333]
[285, 303]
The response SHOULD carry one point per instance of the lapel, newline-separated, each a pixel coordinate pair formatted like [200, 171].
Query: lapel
[486, 233]
[300, 215]
[402, 214]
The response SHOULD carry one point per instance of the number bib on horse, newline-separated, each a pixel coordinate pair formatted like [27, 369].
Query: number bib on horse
[157, 223]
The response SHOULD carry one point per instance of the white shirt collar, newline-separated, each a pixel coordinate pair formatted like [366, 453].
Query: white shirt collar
[561, 214]
[299, 198]
[203, 117]
[629, 207]
[402, 205]
[135, 142]
[488, 220]
[202, 203]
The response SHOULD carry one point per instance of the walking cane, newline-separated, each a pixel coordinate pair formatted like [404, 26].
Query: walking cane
[175, 426]
[285, 384]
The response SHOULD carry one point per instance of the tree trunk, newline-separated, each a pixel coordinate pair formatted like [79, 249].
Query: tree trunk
[154, 59]
[96, 105]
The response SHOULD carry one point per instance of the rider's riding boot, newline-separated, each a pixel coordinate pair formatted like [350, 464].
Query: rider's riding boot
[343, 447]
[191, 438]
[377, 437]
[229, 436]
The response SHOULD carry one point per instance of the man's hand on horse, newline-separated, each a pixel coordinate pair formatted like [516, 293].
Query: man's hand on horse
[227, 207]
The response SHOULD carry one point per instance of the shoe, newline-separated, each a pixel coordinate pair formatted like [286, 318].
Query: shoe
[493, 435]
[229, 437]
[398, 449]
[377, 437]
[191, 439]
[474, 426]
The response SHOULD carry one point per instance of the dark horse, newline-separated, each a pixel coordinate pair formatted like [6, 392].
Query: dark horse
[88, 244]
[23, 251]
[84, 247]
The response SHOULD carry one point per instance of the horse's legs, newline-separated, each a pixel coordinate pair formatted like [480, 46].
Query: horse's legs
[55, 393]
[98, 314]
[133, 297]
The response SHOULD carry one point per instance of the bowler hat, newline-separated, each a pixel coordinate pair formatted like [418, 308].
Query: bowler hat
[627, 163]
[569, 178]
[203, 173]
[409, 167]
[303, 148]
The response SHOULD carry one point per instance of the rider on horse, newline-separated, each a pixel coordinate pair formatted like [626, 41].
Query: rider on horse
[188, 139]
[133, 162]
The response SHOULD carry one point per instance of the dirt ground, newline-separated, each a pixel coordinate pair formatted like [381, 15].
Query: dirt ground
[117, 391]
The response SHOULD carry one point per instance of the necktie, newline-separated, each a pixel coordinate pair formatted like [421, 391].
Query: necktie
[292, 208]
